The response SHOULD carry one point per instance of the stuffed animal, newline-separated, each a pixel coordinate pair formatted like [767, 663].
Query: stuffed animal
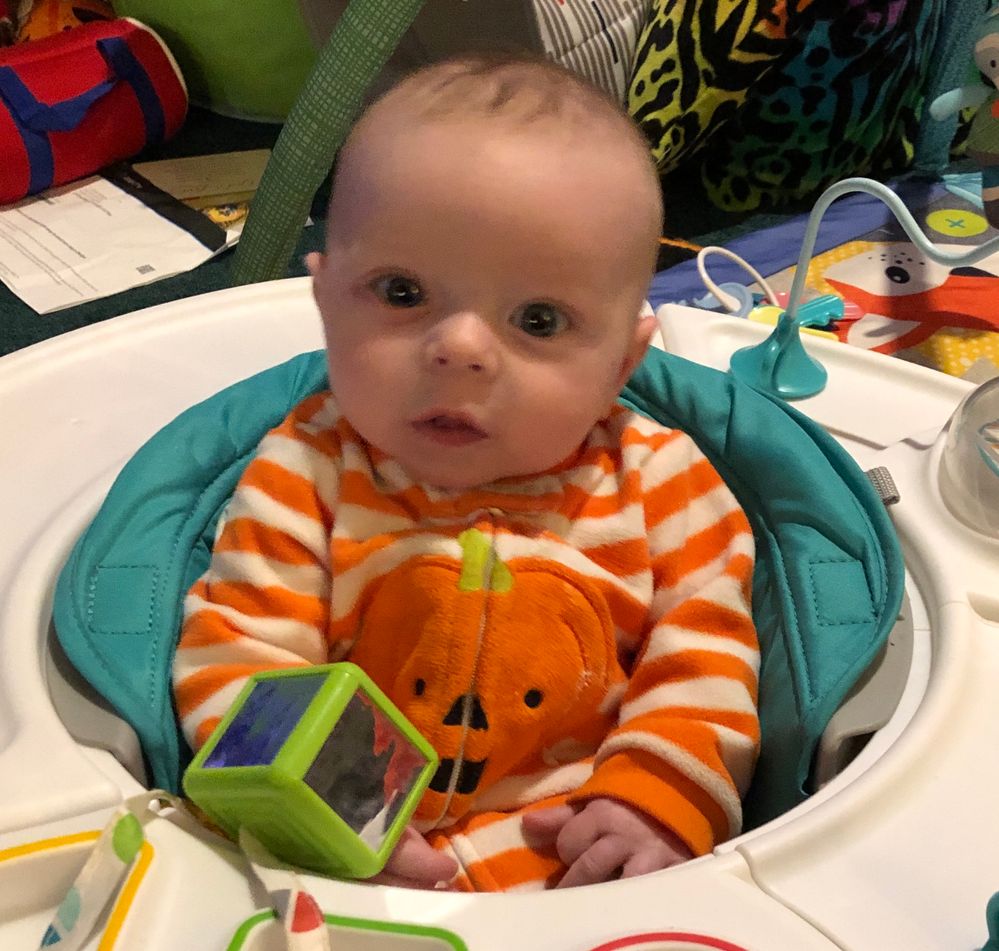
[13, 13]
[42, 18]
[983, 137]
[8, 29]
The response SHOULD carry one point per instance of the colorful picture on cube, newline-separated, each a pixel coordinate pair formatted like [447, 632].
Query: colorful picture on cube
[319, 765]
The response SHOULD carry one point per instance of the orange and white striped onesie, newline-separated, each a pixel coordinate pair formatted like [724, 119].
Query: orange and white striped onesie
[576, 634]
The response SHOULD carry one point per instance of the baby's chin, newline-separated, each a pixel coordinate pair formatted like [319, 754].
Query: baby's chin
[456, 479]
[450, 480]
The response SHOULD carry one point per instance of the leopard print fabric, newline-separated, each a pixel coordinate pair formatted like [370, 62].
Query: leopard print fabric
[778, 99]
[696, 64]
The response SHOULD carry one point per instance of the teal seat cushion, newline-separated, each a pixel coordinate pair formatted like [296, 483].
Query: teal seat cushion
[827, 586]
[119, 598]
[829, 574]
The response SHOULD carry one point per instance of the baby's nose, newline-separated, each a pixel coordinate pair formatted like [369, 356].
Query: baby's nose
[462, 342]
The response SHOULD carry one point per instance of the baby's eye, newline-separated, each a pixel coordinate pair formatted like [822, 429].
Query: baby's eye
[398, 291]
[540, 320]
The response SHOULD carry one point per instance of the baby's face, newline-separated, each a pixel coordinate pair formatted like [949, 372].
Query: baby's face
[480, 297]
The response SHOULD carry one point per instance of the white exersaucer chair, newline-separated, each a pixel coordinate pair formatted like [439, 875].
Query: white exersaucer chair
[892, 853]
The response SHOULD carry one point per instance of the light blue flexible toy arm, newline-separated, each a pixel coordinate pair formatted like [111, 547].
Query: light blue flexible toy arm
[954, 101]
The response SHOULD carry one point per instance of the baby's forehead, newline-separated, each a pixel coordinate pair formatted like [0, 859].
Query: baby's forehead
[395, 139]
[512, 121]
[493, 171]
[502, 96]
[528, 122]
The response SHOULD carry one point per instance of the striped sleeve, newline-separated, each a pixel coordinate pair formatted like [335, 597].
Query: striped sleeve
[263, 603]
[688, 732]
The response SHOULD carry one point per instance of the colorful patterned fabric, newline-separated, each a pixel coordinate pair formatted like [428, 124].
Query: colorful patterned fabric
[779, 99]
[897, 301]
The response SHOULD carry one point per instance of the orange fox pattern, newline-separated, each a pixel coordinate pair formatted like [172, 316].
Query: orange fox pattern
[579, 633]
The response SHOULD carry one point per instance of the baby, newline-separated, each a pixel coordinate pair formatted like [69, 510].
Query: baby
[552, 588]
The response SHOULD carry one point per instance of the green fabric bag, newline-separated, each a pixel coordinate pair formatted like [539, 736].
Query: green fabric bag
[248, 59]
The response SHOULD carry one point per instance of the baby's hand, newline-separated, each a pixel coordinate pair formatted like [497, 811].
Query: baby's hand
[414, 863]
[606, 837]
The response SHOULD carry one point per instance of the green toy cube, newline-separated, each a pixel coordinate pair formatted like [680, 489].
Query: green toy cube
[319, 765]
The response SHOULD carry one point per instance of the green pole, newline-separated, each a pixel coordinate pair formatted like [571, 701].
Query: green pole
[365, 36]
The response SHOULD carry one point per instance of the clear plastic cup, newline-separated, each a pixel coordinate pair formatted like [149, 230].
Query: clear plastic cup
[969, 465]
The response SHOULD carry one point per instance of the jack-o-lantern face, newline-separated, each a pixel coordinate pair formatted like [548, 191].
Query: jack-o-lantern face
[499, 676]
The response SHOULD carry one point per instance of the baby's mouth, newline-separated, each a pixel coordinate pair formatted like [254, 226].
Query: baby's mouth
[450, 429]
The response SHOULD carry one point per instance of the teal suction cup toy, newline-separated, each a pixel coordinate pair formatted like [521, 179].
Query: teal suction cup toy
[992, 920]
[780, 366]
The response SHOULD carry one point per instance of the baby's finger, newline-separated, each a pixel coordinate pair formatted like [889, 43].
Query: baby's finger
[645, 862]
[596, 864]
[416, 860]
[578, 836]
[547, 823]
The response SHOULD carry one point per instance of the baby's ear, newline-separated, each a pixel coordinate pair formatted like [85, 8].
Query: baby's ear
[313, 262]
[645, 327]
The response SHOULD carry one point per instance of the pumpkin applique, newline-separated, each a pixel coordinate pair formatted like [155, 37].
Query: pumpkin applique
[503, 664]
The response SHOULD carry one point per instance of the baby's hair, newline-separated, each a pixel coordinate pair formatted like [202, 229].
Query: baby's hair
[520, 88]
[517, 92]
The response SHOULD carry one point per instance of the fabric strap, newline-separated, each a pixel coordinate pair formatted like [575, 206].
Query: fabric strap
[365, 36]
[20, 100]
[304, 925]
[126, 66]
[60, 117]
[104, 872]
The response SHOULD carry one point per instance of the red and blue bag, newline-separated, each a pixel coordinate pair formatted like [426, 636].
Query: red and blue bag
[81, 99]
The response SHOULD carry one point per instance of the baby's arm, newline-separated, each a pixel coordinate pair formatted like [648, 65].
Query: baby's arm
[263, 602]
[688, 731]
